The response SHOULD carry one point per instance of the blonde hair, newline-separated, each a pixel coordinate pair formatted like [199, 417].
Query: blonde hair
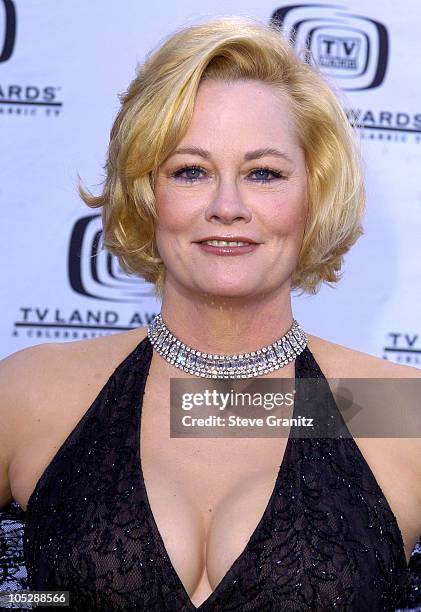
[156, 111]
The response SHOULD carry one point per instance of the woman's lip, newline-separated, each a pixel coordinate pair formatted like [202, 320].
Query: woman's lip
[227, 250]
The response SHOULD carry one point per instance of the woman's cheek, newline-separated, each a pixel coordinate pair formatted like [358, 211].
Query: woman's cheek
[286, 216]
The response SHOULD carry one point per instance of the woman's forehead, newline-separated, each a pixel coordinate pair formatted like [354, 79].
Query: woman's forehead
[248, 114]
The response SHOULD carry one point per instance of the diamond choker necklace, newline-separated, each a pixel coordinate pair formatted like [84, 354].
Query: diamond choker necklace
[247, 365]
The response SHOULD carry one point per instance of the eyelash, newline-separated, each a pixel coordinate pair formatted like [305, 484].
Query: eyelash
[177, 174]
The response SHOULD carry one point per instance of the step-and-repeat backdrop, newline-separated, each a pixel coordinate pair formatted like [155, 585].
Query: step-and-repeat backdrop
[62, 65]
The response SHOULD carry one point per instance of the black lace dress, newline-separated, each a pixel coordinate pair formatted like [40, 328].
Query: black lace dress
[327, 539]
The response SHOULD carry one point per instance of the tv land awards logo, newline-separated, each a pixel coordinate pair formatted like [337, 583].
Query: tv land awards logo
[350, 48]
[69, 323]
[7, 42]
[353, 51]
[95, 274]
[395, 126]
[403, 348]
[19, 98]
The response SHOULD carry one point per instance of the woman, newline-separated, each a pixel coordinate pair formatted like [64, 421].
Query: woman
[231, 179]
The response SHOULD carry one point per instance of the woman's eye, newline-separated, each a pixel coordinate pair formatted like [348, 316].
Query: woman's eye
[266, 175]
[189, 173]
[194, 173]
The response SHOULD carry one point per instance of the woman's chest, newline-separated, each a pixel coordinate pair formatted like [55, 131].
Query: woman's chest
[211, 496]
[212, 503]
[207, 495]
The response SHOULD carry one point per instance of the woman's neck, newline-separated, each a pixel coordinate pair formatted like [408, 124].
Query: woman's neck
[222, 325]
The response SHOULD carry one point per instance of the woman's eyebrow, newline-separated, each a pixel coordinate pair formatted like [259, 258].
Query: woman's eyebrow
[193, 151]
[256, 154]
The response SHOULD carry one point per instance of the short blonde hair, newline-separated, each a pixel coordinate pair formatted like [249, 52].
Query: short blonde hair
[156, 111]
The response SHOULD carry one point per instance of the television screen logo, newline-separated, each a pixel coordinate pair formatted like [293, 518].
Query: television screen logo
[96, 273]
[351, 49]
[403, 347]
[7, 29]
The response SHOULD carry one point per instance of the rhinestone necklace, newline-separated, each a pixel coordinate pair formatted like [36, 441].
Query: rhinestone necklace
[247, 365]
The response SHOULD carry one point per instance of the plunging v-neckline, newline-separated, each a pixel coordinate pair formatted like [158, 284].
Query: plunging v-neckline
[255, 534]
[302, 550]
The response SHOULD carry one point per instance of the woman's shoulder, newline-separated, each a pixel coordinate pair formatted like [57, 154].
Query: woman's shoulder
[37, 374]
[52, 382]
[101, 351]
[38, 380]
[338, 361]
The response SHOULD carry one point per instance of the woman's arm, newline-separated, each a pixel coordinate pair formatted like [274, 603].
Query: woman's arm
[9, 368]
[18, 372]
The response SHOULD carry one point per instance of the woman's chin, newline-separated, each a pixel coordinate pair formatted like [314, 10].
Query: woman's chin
[229, 288]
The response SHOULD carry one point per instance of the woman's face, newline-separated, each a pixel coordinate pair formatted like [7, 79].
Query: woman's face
[237, 175]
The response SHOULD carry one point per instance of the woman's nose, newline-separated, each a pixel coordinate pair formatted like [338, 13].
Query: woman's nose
[228, 204]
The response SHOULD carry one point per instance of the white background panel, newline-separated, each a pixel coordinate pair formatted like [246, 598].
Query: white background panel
[87, 54]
